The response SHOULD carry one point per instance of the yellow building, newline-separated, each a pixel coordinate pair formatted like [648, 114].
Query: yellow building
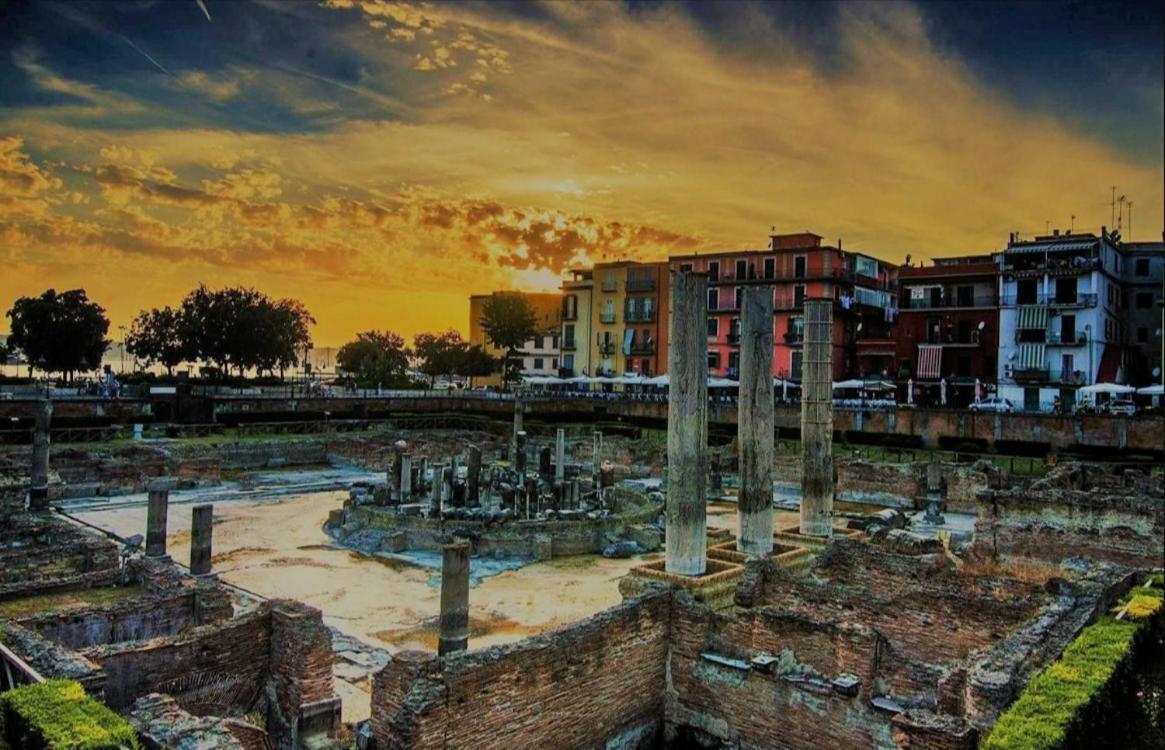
[576, 339]
[540, 355]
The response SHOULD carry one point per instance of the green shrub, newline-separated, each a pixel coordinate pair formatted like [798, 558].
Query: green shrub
[1039, 720]
[58, 715]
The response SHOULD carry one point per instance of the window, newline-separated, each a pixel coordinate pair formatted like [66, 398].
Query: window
[1142, 267]
[685, 266]
[1067, 365]
[1144, 300]
[1142, 335]
[737, 298]
[965, 328]
[798, 295]
[1031, 399]
[713, 328]
[733, 362]
[795, 366]
[1068, 328]
[568, 362]
[713, 299]
[1031, 336]
[1066, 292]
[741, 269]
[568, 336]
[799, 267]
[933, 331]
[554, 365]
[1026, 292]
[713, 360]
[714, 270]
[965, 296]
[537, 363]
[770, 268]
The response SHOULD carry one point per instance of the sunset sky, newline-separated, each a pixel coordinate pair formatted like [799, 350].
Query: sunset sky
[383, 160]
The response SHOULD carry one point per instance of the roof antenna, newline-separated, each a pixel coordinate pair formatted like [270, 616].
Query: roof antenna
[1072, 226]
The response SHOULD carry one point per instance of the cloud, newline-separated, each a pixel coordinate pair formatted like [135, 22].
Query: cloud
[220, 89]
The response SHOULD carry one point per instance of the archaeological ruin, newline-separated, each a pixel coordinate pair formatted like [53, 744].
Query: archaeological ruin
[520, 576]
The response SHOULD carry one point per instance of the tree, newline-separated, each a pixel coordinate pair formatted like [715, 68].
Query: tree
[439, 354]
[476, 362]
[155, 336]
[509, 322]
[242, 328]
[375, 358]
[62, 333]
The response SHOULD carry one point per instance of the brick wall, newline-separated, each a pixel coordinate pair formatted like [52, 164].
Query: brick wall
[301, 673]
[41, 553]
[132, 621]
[594, 682]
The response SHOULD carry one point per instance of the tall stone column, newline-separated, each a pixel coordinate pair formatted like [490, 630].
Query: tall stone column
[596, 456]
[453, 629]
[559, 456]
[201, 533]
[439, 495]
[473, 477]
[406, 478]
[520, 454]
[156, 512]
[456, 501]
[395, 475]
[38, 491]
[687, 425]
[756, 423]
[817, 420]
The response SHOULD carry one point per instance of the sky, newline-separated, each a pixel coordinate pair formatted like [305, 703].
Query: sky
[381, 161]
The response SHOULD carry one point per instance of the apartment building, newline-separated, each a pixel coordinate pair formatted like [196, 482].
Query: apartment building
[540, 355]
[798, 267]
[1061, 321]
[1143, 272]
[948, 323]
[628, 318]
[575, 337]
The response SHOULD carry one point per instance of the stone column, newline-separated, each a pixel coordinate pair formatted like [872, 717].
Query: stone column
[422, 476]
[201, 532]
[544, 459]
[406, 478]
[687, 425]
[439, 495]
[519, 409]
[156, 512]
[452, 495]
[596, 456]
[756, 423]
[473, 477]
[520, 454]
[38, 491]
[395, 476]
[817, 420]
[531, 496]
[559, 456]
[453, 632]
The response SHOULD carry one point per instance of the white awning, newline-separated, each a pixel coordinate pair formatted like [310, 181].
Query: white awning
[1033, 317]
[1112, 389]
[1031, 357]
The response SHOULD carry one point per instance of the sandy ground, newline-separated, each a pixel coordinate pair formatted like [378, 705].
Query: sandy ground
[277, 548]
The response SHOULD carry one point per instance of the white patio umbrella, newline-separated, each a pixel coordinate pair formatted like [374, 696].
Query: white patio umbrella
[942, 391]
[976, 390]
[1152, 390]
[910, 391]
[839, 385]
[722, 383]
[1112, 389]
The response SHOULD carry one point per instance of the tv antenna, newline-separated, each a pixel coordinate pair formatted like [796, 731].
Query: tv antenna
[1130, 203]
[1072, 225]
[1112, 206]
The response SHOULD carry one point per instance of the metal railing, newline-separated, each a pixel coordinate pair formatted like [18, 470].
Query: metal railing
[979, 300]
[639, 316]
[1083, 299]
[607, 318]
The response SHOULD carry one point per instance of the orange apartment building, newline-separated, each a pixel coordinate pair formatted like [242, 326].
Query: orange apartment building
[798, 267]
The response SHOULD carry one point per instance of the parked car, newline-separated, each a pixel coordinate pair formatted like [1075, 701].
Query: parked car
[1122, 406]
[993, 404]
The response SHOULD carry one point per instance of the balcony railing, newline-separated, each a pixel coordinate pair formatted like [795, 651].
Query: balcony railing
[979, 300]
[639, 316]
[640, 285]
[1055, 339]
[724, 306]
[1083, 299]
[607, 317]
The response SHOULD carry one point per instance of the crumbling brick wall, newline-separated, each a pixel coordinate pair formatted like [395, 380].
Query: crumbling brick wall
[301, 673]
[596, 683]
[41, 553]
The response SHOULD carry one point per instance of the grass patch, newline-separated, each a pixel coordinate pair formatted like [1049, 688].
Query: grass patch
[1039, 720]
[58, 715]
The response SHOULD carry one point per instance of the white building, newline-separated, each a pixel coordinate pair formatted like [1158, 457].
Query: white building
[540, 355]
[1060, 317]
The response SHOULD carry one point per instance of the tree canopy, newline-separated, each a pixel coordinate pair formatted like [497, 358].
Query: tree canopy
[508, 321]
[439, 354]
[62, 333]
[375, 358]
[237, 328]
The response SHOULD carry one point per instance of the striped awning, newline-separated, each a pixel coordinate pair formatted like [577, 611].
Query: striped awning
[1033, 317]
[1052, 247]
[930, 361]
[1031, 357]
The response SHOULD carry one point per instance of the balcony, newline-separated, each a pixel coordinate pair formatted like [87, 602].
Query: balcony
[876, 346]
[734, 338]
[794, 337]
[1031, 375]
[607, 348]
[1083, 299]
[640, 285]
[1055, 339]
[607, 317]
[643, 347]
[639, 316]
[724, 306]
[1054, 267]
[928, 303]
